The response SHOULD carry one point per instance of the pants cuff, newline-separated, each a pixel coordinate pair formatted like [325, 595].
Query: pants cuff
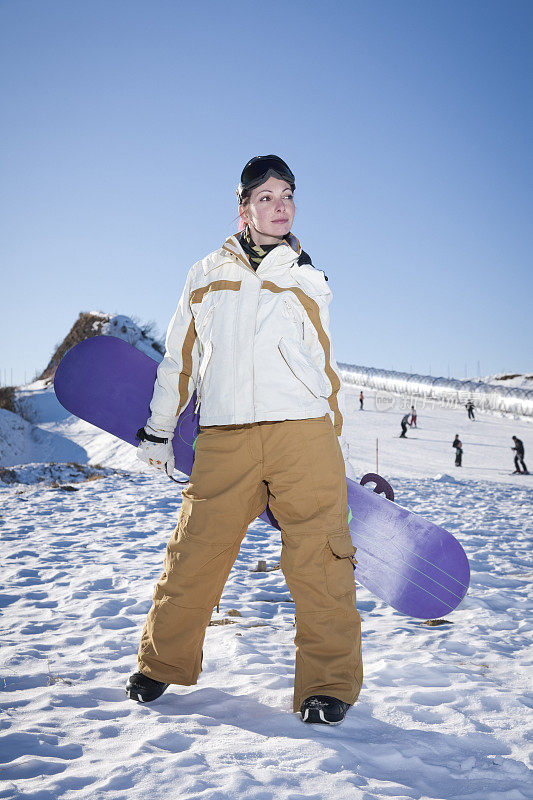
[167, 675]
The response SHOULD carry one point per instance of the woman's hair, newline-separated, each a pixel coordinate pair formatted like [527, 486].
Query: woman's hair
[245, 196]
[243, 202]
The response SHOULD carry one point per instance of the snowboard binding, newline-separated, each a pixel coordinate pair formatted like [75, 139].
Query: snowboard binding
[382, 486]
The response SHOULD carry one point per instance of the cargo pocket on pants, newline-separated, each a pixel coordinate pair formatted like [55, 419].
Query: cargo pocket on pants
[339, 562]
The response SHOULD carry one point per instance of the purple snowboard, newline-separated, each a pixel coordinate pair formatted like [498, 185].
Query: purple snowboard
[416, 566]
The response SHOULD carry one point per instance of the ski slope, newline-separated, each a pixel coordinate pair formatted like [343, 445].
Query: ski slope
[427, 450]
[445, 711]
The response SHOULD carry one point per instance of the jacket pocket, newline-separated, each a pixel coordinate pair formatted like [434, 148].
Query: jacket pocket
[340, 564]
[206, 358]
[292, 314]
[303, 368]
[204, 318]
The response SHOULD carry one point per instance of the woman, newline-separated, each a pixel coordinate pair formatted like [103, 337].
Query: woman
[251, 335]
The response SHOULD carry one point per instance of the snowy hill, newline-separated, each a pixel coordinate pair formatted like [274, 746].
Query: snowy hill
[510, 380]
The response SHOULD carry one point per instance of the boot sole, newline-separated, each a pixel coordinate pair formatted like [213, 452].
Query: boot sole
[133, 694]
[317, 717]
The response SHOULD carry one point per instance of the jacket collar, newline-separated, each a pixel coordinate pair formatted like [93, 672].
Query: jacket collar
[283, 254]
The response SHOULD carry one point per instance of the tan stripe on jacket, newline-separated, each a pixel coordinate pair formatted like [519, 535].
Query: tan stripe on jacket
[186, 368]
[197, 295]
[313, 313]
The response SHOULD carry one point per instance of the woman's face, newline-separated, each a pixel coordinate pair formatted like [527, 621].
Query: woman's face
[269, 211]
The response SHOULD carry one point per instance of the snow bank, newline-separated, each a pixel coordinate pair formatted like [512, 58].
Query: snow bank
[24, 443]
[52, 474]
[510, 380]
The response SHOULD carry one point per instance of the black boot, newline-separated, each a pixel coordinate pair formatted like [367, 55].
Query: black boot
[324, 709]
[144, 689]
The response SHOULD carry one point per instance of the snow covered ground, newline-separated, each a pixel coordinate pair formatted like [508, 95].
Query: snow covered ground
[445, 711]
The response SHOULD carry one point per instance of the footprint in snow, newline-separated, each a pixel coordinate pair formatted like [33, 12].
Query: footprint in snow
[117, 623]
[421, 715]
[98, 585]
[433, 698]
[15, 745]
[108, 608]
[172, 742]
[35, 628]
[108, 732]
[103, 714]
[7, 599]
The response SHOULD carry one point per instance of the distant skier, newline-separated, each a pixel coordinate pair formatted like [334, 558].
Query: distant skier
[470, 408]
[361, 400]
[404, 423]
[457, 443]
[412, 422]
[519, 457]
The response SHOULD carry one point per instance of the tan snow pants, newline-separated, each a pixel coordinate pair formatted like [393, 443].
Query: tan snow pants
[296, 466]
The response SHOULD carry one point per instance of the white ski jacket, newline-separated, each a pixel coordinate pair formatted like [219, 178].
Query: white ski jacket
[255, 345]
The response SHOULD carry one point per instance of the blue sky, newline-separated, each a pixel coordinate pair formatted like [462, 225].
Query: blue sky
[125, 124]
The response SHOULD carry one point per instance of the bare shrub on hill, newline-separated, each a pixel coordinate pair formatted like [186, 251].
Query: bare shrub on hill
[88, 324]
[149, 331]
[92, 324]
[10, 402]
[7, 398]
